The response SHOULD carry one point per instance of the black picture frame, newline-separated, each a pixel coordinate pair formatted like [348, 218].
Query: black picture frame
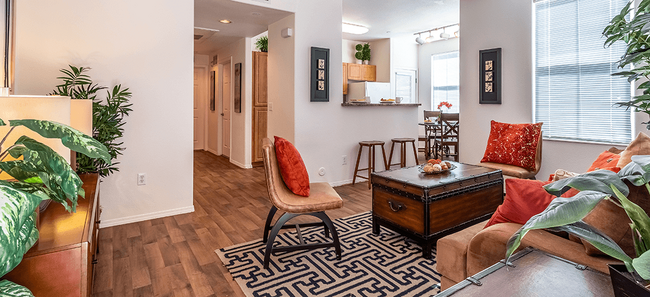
[320, 74]
[490, 76]
[212, 91]
[238, 75]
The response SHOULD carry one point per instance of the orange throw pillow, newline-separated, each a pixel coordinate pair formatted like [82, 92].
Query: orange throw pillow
[513, 144]
[292, 168]
[524, 199]
[606, 160]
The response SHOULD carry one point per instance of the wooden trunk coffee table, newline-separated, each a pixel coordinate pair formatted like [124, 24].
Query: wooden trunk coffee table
[428, 207]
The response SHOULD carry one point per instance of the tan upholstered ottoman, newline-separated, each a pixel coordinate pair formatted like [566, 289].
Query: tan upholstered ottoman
[452, 255]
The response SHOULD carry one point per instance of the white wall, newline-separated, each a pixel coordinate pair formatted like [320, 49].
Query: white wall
[325, 131]
[380, 55]
[506, 24]
[349, 50]
[281, 73]
[156, 67]
[241, 123]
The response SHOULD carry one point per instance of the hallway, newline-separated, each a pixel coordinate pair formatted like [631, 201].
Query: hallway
[174, 256]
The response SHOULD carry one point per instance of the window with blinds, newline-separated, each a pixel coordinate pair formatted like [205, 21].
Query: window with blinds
[574, 90]
[445, 77]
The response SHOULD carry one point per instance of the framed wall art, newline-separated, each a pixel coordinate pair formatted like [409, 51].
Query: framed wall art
[212, 105]
[320, 74]
[238, 74]
[490, 76]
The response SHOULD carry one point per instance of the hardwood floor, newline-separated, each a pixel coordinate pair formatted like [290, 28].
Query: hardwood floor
[174, 256]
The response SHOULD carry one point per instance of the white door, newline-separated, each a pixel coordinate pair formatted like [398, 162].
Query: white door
[199, 107]
[225, 109]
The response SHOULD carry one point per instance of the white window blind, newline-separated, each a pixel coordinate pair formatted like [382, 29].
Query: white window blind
[445, 77]
[574, 90]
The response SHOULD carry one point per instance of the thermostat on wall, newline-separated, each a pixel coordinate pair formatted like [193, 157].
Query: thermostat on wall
[286, 32]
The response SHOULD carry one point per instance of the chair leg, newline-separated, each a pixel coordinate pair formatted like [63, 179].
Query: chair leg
[383, 152]
[335, 235]
[356, 167]
[415, 153]
[276, 229]
[402, 155]
[390, 156]
[267, 226]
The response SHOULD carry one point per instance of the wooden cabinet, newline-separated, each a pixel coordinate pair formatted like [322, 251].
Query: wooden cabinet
[62, 262]
[260, 102]
[345, 78]
[361, 72]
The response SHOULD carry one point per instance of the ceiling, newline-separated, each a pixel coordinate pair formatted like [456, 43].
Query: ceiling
[385, 19]
[392, 18]
[247, 21]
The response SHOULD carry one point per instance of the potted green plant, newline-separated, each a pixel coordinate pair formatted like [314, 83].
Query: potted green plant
[634, 33]
[363, 53]
[262, 44]
[566, 214]
[41, 174]
[108, 116]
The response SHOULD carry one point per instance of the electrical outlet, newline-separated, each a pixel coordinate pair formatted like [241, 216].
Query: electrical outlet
[321, 171]
[142, 179]
[270, 106]
[345, 160]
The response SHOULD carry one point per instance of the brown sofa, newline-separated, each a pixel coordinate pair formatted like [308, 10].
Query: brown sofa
[471, 250]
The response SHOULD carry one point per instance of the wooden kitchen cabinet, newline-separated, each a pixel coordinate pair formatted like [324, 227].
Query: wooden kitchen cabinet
[345, 78]
[361, 72]
[260, 102]
[62, 262]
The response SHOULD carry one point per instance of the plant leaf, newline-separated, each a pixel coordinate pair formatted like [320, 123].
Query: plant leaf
[598, 239]
[10, 289]
[561, 211]
[18, 229]
[2, 123]
[70, 137]
[599, 180]
[638, 216]
[642, 265]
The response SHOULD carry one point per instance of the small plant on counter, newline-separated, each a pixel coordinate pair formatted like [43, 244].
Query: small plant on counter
[262, 44]
[108, 117]
[41, 174]
[363, 52]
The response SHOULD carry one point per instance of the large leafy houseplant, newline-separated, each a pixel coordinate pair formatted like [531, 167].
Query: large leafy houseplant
[40, 173]
[108, 116]
[634, 33]
[566, 214]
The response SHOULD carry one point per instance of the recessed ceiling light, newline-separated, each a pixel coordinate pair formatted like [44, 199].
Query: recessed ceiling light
[224, 21]
[256, 13]
[354, 29]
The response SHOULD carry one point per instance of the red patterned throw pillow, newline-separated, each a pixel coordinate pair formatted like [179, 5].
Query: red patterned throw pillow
[606, 160]
[292, 168]
[513, 144]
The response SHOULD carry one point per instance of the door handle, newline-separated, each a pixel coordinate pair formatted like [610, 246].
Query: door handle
[222, 114]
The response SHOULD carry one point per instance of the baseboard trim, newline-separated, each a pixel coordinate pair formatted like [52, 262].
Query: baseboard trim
[240, 165]
[341, 183]
[146, 216]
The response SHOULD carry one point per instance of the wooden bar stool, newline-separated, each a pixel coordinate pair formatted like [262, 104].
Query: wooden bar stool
[371, 159]
[402, 143]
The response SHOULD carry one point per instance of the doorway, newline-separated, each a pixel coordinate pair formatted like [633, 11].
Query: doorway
[226, 98]
[200, 102]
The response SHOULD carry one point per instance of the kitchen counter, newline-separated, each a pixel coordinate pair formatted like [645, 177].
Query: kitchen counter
[382, 104]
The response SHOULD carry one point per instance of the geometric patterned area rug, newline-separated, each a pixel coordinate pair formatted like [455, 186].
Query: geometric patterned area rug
[387, 264]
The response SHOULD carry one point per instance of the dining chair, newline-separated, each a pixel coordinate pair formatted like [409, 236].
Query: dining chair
[450, 128]
[431, 132]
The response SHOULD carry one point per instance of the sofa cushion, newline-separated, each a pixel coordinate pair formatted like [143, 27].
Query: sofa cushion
[638, 146]
[524, 199]
[292, 168]
[452, 252]
[489, 247]
[606, 160]
[513, 144]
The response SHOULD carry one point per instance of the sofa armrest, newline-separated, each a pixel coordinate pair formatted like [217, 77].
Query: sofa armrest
[489, 247]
